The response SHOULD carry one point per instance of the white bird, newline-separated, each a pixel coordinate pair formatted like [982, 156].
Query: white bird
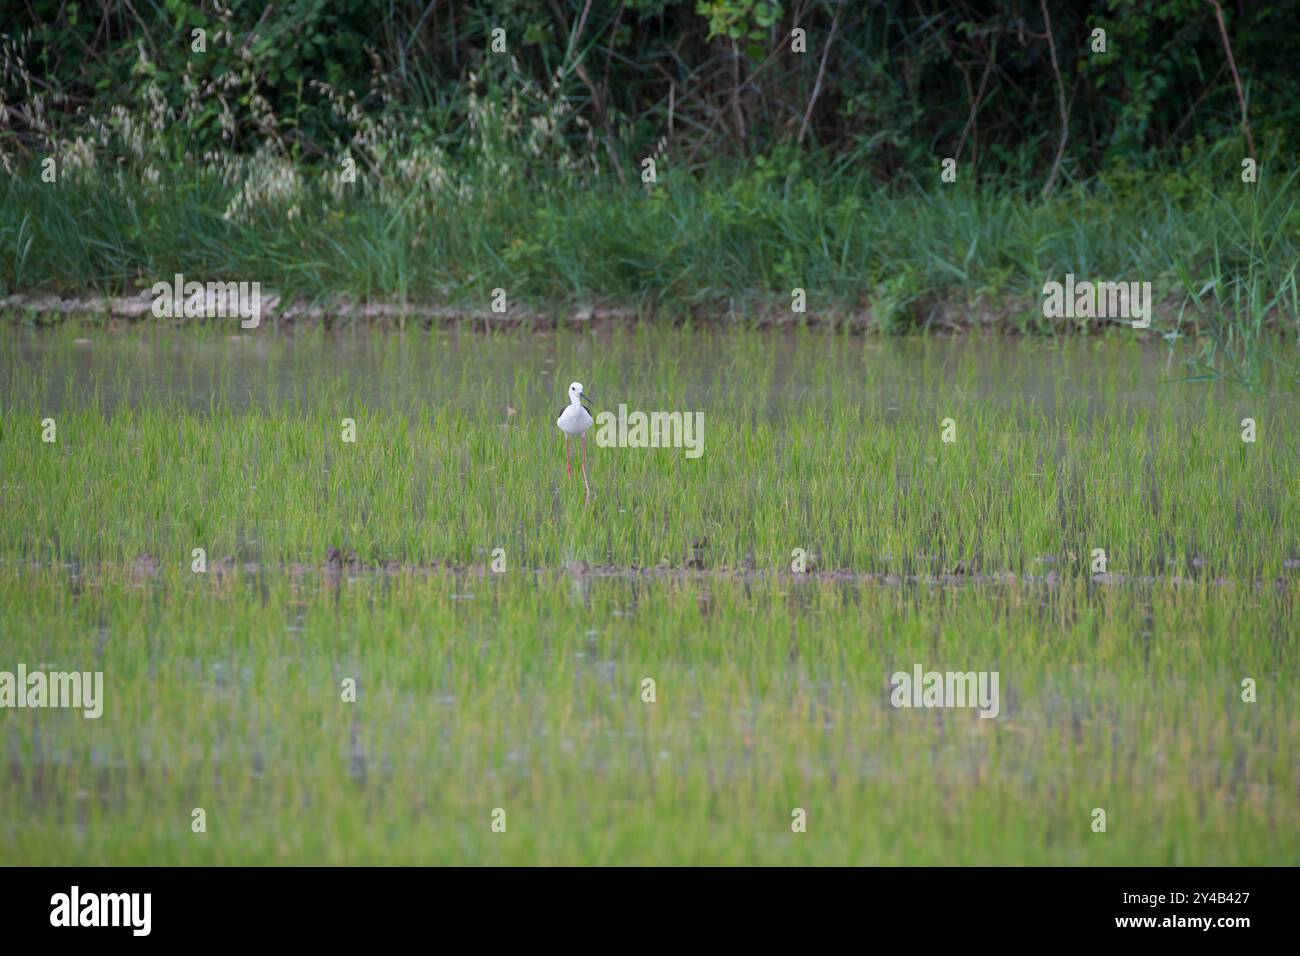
[575, 420]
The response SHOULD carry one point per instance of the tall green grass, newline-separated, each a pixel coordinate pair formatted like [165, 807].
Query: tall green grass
[1221, 255]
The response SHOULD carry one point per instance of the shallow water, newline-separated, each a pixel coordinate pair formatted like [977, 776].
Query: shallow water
[461, 368]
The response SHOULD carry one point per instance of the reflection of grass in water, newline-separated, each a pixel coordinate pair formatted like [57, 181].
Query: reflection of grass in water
[223, 692]
[527, 697]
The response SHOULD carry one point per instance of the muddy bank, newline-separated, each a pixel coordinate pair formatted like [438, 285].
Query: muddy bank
[338, 564]
[941, 317]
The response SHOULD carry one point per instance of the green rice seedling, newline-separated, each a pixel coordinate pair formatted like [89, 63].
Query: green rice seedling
[809, 440]
[526, 693]
[351, 679]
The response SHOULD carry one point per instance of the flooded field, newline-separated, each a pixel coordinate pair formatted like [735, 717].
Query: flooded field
[347, 602]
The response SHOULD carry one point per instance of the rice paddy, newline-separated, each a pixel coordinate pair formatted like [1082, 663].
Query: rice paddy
[500, 626]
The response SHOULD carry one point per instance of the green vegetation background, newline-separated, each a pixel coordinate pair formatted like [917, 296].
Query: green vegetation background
[775, 169]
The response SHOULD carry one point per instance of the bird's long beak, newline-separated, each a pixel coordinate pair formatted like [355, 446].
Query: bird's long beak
[583, 398]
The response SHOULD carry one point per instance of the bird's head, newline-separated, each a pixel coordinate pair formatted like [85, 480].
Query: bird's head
[577, 395]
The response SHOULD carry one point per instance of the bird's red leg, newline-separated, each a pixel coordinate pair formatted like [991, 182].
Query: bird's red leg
[568, 463]
[585, 484]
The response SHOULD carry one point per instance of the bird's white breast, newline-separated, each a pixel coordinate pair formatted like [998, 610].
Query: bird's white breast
[574, 420]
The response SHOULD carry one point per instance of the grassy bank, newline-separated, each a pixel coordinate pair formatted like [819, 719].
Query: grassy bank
[347, 155]
[1221, 255]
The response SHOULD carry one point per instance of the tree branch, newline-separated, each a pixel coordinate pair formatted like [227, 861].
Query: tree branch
[821, 71]
[1236, 79]
[1060, 93]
